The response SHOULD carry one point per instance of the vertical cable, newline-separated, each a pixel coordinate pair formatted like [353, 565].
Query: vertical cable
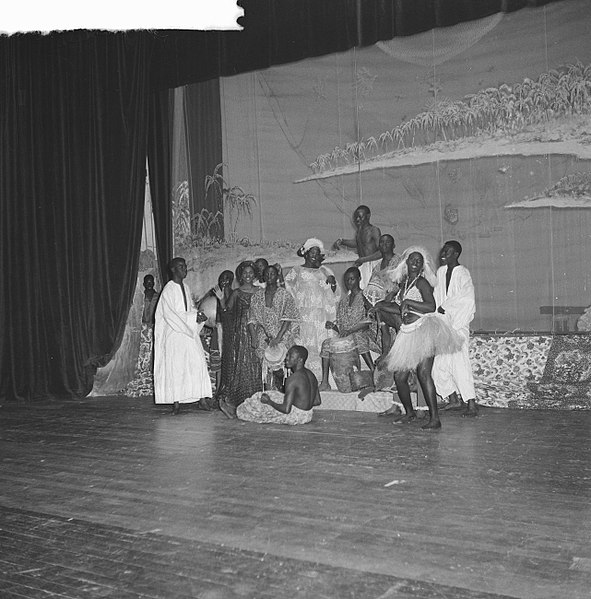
[552, 269]
[357, 126]
[258, 157]
[225, 145]
[344, 222]
[437, 180]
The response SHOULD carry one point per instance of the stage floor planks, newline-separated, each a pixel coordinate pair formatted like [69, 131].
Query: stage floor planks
[114, 497]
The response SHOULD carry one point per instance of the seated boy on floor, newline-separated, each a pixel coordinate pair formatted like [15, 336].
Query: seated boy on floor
[296, 406]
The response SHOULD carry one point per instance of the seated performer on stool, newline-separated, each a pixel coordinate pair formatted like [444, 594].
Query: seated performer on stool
[423, 333]
[380, 293]
[293, 407]
[351, 322]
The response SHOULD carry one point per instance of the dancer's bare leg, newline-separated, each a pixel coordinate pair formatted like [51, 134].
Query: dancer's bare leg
[388, 314]
[401, 380]
[428, 387]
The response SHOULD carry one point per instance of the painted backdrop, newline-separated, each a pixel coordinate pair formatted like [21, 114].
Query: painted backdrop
[437, 133]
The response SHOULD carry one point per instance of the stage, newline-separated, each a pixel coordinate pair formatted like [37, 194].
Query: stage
[115, 498]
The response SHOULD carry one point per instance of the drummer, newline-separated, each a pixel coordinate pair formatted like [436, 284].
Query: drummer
[351, 323]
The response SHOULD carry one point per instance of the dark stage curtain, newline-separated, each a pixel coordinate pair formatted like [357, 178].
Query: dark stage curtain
[203, 132]
[159, 172]
[282, 31]
[73, 126]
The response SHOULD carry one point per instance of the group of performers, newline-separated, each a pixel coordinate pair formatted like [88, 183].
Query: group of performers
[267, 322]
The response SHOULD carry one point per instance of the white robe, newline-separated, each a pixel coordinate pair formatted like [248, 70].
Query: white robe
[453, 372]
[316, 303]
[366, 270]
[180, 369]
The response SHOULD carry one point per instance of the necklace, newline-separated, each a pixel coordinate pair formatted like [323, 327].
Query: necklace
[407, 287]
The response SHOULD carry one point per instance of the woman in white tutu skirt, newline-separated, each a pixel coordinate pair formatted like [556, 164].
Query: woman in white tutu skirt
[423, 333]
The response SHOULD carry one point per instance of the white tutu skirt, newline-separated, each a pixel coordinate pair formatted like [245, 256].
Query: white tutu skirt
[428, 336]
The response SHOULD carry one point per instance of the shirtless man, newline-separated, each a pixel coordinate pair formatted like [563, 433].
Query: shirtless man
[296, 405]
[366, 242]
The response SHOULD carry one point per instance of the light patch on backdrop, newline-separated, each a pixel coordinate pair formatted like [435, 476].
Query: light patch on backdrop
[439, 45]
[116, 15]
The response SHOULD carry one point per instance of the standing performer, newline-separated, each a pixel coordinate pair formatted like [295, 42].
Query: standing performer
[366, 242]
[422, 335]
[275, 320]
[180, 369]
[454, 295]
[143, 380]
[241, 367]
[316, 294]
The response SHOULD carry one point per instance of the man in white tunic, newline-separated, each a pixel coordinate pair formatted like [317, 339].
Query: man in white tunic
[454, 296]
[180, 369]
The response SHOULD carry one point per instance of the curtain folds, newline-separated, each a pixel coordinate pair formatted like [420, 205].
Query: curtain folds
[203, 134]
[73, 135]
[159, 171]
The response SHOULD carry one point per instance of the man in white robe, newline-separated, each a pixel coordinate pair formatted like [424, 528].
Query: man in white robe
[454, 296]
[180, 369]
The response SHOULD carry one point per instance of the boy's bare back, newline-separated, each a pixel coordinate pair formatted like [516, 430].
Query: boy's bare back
[304, 386]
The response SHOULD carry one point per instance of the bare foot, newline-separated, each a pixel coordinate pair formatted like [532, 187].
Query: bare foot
[406, 418]
[203, 404]
[176, 408]
[324, 387]
[471, 410]
[391, 412]
[452, 405]
[228, 410]
[365, 392]
[432, 425]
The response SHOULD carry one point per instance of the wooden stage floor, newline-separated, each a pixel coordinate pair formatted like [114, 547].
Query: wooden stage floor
[115, 498]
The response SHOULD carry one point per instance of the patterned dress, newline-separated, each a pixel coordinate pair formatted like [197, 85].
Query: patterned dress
[241, 367]
[347, 317]
[270, 319]
[142, 384]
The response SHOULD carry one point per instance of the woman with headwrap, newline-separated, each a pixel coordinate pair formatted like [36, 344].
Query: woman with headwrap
[316, 294]
[423, 333]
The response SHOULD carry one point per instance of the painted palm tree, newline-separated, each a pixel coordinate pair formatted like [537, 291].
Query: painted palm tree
[233, 198]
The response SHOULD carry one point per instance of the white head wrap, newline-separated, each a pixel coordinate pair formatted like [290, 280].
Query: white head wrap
[310, 243]
[429, 271]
